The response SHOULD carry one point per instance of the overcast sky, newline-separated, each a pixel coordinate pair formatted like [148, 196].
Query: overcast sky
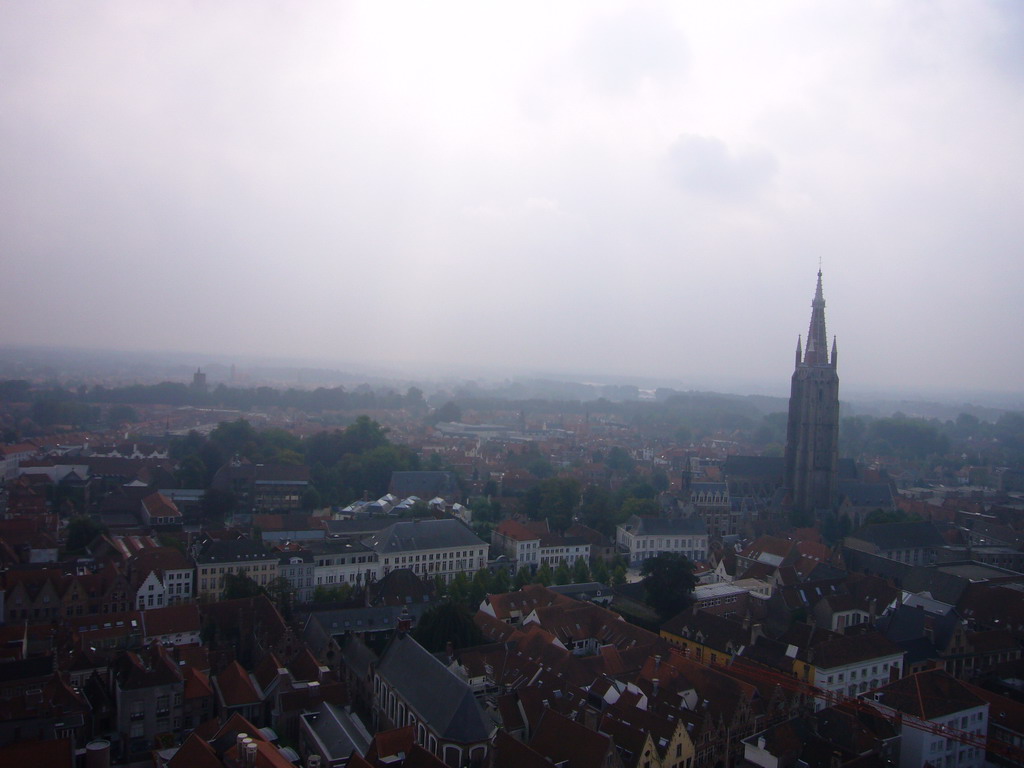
[575, 188]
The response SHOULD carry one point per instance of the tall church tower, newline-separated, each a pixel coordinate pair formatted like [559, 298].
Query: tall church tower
[812, 434]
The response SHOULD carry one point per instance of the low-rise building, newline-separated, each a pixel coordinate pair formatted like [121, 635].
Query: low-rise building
[951, 710]
[640, 538]
[217, 558]
[429, 548]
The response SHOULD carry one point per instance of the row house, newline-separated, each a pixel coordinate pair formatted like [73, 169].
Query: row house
[337, 562]
[43, 710]
[558, 550]
[640, 538]
[159, 511]
[161, 576]
[217, 558]
[842, 666]
[296, 567]
[949, 707]
[429, 548]
[48, 595]
[149, 693]
[518, 541]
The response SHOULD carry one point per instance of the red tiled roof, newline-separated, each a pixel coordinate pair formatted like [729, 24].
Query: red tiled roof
[236, 689]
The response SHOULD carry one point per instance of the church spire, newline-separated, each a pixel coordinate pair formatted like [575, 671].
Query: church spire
[817, 338]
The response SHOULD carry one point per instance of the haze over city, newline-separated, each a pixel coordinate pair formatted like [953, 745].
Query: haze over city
[579, 189]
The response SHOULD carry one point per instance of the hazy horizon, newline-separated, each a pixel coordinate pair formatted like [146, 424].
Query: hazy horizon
[631, 190]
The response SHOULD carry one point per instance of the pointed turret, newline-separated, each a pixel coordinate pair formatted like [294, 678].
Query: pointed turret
[812, 430]
[817, 338]
[799, 352]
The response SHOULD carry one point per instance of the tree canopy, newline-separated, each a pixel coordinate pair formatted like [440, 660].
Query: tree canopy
[669, 583]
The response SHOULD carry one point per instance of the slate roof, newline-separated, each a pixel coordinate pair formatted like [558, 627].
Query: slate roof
[411, 535]
[755, 466]
[867, 494]
[887, 536]
[233, 551]
[435, 693]
[666, 526]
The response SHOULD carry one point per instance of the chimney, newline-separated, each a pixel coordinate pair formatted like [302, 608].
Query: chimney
[313, 761]
[654, 687]
[250, 754]
[239, 739]
[657, 661]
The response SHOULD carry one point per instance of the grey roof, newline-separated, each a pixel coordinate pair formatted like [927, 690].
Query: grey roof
[435, 693]
[409, 535]
[888, 536]
[336, 547]
[233, 551]
[378, 618]
[754, 466]
[337, 732]
[357, 528]
[666, 526]
[867, 494]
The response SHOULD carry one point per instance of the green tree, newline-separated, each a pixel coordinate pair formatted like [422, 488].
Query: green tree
[191, 472]
[523, 577]
[580, 571]
[447, 412]
[600, 571]
[237, 585]
[501, 582]
[333, 594]
[544, 575]
[122, 414]
[562, 574]
[446, 623]
[459, 589]
[282, 594]
[668, 582]
[620, 461]
[619, 575]
[82, 530]
[311, 498]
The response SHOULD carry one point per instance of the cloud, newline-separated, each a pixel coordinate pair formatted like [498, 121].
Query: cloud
[706, 166]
